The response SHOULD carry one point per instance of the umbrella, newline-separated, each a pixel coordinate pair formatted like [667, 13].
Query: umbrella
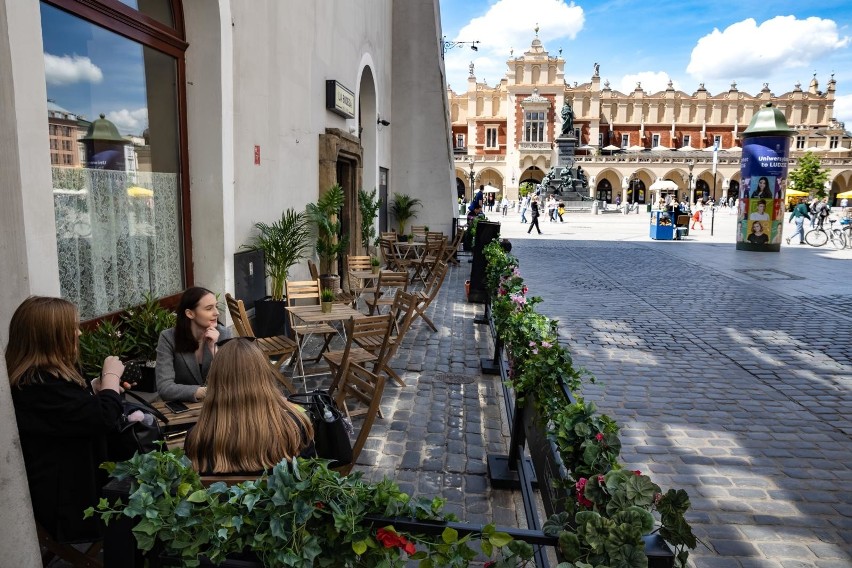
[136, 191]
[663, 184]
[611, 148]
[734, 149]
[660, 148]
[635, 148]
[490, 189]
[844, 195]
[686, 149]
[795, 193]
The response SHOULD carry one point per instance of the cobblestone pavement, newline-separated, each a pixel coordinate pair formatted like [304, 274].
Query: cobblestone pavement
[729, 373]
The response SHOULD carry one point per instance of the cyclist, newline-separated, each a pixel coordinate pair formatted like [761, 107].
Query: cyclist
[800, 213]
[822, 210]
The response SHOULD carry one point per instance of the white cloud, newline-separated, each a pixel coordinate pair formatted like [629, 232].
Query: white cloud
[843, 110]
[745, 49]
[129, 121]
[508, 25]
[69, 69]
[652, 82]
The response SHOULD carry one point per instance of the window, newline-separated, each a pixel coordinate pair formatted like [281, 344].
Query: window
[832, 142]
[655, 140]
[460, 141]
[717, 142]
[577, 133]
[491, 137]
[800, 142]
[600, 139]
[534, 126]
[687, 139]
[114, 250]
[625, 140]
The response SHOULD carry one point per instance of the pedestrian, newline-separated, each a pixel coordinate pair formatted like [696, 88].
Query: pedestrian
[535, 213]
[799, 214]
[822, 210]
[560, 210]
[525, 204]
[617, 201]
[477, 200]
[698, 214]
[551, 209]
[812, 210]
[504, 205]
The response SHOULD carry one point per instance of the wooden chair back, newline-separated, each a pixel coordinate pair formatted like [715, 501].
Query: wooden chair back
[434, 235]
[239, 316]
[366, 387]
[402, 311]
[389, 235]
[430, 291]
[418, 231]
[302, 292]
[387, 284]
[367, 330]
[356, 262]
[453, 247]
[390, 254]
[312, 268]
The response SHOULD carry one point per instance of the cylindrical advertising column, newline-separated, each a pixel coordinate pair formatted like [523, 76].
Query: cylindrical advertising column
[763, 171]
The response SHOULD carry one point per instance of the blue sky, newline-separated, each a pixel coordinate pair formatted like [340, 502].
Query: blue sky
[690, 42]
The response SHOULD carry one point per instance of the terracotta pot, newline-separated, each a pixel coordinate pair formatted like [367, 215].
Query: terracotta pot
[466, 288]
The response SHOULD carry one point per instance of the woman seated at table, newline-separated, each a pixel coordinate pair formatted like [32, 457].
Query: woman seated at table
[185, 352]
[246, 425]
[63, 423]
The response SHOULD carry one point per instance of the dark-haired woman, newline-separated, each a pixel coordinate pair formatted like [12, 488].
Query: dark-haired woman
[185, 351]
[63, 424]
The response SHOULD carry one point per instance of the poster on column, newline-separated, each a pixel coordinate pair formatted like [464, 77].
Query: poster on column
[760, 215]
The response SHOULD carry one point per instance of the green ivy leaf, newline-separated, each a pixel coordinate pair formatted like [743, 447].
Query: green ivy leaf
[450, 535]
[500, 539]
[199, 496]
[359, 547]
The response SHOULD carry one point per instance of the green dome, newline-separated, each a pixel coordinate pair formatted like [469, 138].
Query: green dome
[102, 130]
[768, 121]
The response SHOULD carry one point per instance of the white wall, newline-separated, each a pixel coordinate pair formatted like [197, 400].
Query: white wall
[27, 242]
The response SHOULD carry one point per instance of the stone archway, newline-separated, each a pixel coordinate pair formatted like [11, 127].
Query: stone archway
[340, 161]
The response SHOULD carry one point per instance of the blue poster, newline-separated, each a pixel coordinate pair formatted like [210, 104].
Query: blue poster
[764, 183]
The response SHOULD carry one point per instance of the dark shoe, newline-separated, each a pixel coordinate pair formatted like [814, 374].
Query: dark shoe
[803, 243]
[788, 240]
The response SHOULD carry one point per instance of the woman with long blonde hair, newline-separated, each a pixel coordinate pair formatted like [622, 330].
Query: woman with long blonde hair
[62, 422]
[246, 425]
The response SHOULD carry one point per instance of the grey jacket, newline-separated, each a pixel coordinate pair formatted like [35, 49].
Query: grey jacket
[178, 374]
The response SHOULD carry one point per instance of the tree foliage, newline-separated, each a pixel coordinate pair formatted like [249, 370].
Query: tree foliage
[810, 176]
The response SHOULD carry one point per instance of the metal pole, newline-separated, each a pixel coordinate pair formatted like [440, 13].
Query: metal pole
[713, 209]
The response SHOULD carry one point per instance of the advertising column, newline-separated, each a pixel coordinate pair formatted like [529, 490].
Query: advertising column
[763, 170]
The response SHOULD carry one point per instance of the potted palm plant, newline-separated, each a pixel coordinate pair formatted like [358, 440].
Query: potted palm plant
[404, 208]
[325, 216]
[284, 243]
[368, 205]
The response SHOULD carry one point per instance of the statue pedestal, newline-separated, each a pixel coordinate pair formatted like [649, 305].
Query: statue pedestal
[565, 146]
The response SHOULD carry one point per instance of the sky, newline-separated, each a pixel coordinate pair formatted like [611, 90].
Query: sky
[686, 41]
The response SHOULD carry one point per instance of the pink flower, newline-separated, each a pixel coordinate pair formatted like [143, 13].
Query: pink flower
[581, 499]
[535, 351]
[599, 437]
[601, 479]
[546, 344]
[532, 343]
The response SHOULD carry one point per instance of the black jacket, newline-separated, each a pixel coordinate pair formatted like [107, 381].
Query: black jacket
[63, 429]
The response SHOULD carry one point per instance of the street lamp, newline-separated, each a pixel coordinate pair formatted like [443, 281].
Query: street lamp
[447, 45]
[470, 163]
[689, 186]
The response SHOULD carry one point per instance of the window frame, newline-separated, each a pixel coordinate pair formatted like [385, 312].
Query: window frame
[535, 123]
[491, 137]
[687, 139]
[625, 140]
[655, 140]
[123, 20]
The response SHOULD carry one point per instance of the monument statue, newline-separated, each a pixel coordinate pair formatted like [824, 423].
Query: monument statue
[567, 120]
[566, 182]
[597, 70]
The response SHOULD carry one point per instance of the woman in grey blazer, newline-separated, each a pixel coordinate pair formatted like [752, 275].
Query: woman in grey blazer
[184, 352]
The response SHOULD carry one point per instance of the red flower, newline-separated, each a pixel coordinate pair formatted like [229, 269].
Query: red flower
[319, 505]
[601, 479]
[637, 472]
[599, 437]
[581, 499]
[390, 539]
[489, 564]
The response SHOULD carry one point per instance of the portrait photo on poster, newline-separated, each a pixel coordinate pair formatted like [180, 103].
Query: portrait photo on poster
[758, 233]
[762, 186]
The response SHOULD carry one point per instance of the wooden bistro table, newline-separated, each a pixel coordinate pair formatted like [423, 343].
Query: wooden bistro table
[178, 423]
[315, 315]
[410, 249]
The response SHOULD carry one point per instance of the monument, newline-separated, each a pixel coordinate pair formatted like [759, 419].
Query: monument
[564, 178]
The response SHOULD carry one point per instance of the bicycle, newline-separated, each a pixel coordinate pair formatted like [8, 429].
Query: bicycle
[846, 229]
[820, 235]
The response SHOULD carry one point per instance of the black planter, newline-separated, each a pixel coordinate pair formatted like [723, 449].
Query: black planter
[270, 318]
[486, 231]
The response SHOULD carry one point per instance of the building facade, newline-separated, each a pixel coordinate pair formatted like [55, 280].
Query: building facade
[504, 135]
[227, 113]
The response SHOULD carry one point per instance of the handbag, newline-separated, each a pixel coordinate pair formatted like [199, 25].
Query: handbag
[137, 437]
[331, 428]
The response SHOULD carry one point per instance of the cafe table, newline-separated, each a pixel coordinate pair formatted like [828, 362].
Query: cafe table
[178, 423]
[410, 248]
[313, 314]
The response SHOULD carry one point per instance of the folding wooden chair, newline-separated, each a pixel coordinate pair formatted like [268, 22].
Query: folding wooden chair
[388, 235]
[419, 231]
[369, 329]
[402, 311]
[367, 388]
[424, 265]
[427, 295]
[386, 286]
[86, 559]
[451, 250]
[277, 348]
[301, 293]
[357, 286]
[393, 260]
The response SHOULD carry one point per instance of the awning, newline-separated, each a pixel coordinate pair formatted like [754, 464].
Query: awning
[663, 184]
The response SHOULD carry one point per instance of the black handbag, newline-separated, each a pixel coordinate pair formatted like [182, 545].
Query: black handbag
[133, 437]
[331, 429]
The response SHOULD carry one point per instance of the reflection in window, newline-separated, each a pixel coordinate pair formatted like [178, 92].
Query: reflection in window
[534, 127]
[116, 182]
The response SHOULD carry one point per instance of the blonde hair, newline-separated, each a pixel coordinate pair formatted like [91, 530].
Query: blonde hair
[43, 338]
[246, 423]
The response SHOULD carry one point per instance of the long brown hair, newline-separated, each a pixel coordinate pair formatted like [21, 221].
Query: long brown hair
[185, 342]
[43, 338]
[246, 423]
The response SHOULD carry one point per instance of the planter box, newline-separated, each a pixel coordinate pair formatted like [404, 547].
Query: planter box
[270, 318]
[486, 231]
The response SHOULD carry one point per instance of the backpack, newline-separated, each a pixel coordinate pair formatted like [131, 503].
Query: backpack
[822, 209]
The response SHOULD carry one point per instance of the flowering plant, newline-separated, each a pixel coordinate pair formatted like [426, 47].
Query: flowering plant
[300, 514]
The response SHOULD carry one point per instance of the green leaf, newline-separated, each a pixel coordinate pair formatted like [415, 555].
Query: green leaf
[359, 547]
[500, 539]
[199, 496]
[450, 535]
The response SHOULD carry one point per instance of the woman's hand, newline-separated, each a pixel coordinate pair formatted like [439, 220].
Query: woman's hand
[200, 393]
[110, 377]
[211, 336]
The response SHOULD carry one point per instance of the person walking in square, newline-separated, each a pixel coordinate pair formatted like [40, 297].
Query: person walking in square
[535, 215]
[698, 214]
[799, 214]
[525, 204]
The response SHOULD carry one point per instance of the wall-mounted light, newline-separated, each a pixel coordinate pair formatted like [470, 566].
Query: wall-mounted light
[382, 122]
[447, 45]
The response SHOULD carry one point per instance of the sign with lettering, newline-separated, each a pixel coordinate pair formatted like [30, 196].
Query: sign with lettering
[339, 99]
